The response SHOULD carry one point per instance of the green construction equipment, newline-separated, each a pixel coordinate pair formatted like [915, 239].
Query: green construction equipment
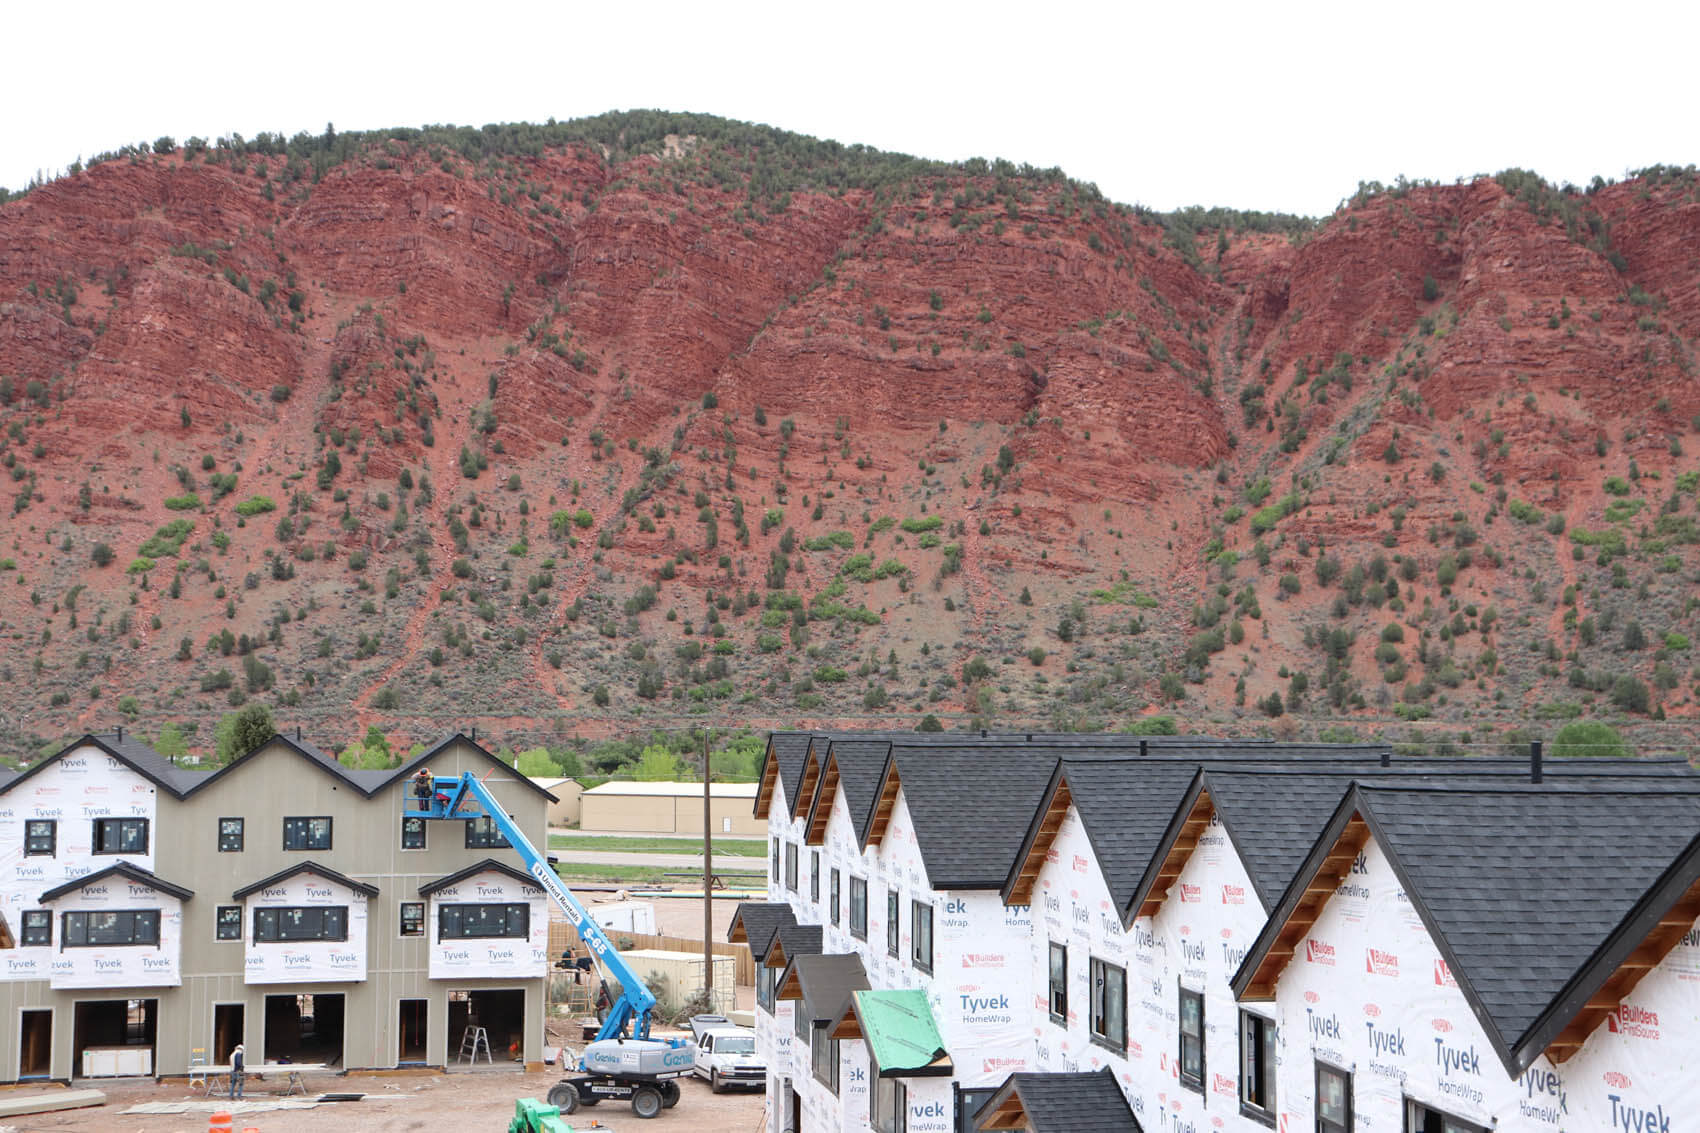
[533, 1116]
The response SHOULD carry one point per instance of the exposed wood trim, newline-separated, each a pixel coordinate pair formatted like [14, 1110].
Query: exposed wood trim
[1009, 1115]
[1666, 935]
[1192, 828]
[821, 814]
[1333, 870]
[1056, 811]
[806, 790]
[848, 1027]
[883, 808]
[764, 792]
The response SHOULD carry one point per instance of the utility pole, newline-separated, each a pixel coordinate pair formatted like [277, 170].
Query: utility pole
[707, 881]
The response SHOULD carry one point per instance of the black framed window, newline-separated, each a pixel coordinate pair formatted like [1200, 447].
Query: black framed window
[814, 876]
[791, 866]
[767, 982]
[888, 1105]
[968, 1103]
[799, 1021]
[307, 833]
[823, 1055]
[413, 918]
[1192, 1039]
[1257, 1067]
[37, 929]
[41, 836]
[316, 922]
[1421, 1118]
[1059, 983]
[773, 872]
[124, 926]
[230, 832]
[893, 923]
[1109, 1005]
[858, 907]
[120, 836]
[412, 832]
[482, 833]
[832, 899]
[228, 923]
[483, 922]
[1333, 1099]
[921, 935]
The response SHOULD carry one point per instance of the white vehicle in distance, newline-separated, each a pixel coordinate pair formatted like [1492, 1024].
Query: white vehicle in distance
[726, 1054]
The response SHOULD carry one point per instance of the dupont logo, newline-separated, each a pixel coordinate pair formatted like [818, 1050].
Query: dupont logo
[1312, 997]
[1192, 893]
[1319, 952]
[1636, 1022]
[1373, 1011]
[1616, 1079]
[1443, 975]
[1444, 1026]
[1233, 894]
[1379, 963]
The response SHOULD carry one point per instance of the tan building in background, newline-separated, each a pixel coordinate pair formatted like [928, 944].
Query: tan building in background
[565, 810]
[671, 808]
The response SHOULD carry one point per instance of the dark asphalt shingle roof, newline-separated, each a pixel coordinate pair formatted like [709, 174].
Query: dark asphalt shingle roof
[971, 808]
[860, 764]
[307, 867]
[796, 940]
[1523, 887]
[487, 865]
[1126, 805]
[761, 919]
[789, 750]
[122, 869]
[1087, 1102]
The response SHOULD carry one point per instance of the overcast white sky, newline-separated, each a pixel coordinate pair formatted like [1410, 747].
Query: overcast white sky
[1280, 106]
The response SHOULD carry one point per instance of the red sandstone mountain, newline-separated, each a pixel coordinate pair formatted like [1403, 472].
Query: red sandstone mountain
[668, 416]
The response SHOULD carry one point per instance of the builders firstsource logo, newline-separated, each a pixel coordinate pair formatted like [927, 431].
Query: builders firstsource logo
[1443, 975]
[1379, 963]
[1634, 1021]
[1319, 952]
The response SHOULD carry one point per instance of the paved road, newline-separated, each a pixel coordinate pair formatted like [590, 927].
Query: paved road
[722, 863]
[569, 832]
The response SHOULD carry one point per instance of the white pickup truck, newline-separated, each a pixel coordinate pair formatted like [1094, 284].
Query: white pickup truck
[726, 1054]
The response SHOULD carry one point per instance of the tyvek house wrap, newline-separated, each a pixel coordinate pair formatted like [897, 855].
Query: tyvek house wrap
[302, 961]
[496, 956]
[130, 965]
[73, 791]
[1196, 940]
[1369, 991]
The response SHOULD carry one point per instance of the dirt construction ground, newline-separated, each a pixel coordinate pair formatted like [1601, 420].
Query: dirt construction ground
[462, 1103]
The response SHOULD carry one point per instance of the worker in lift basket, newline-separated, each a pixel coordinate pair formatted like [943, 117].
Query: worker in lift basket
[238, 1072]
[422, 788]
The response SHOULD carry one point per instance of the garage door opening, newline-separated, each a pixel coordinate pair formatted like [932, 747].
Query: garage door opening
[304, 1028]
[500, 1013]
[113, 1038]
[410, 1029]
[35, 1044]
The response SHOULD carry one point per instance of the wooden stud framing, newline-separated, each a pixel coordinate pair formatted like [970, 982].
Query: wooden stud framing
[1334, 869]
[1021, 893]
[1666, 935]
[1192, 828]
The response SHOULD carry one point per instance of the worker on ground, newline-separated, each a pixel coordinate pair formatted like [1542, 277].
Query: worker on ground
[238, 1071]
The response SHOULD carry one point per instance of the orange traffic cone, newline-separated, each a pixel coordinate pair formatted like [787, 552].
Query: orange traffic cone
[219, 1122]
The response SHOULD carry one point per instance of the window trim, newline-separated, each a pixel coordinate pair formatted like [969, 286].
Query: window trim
[1097, 969]
[1056, 985]
[899, 1103]
[524, 908]
[814, 876]
[43, 918]
[401, 920]
[791, 868]
[65, 940]
[827, 1052]
[1187, 1081]
[859, 883]
[240, 837]
[100, 823]
[424, 838]
[836, 894]
[1321, 1068]
[310, 846]
[52, 825]
[916, 919]
[893, 924]
[774, 869]
[219, 924]
[767, 985]
[1265, 1039]
[281, 909]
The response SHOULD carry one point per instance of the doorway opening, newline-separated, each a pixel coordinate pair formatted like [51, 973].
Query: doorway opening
[114, 1037]
[411, 1031]
[501, 1014]
[305, 1028]
[227, 1030]
[35, 1044]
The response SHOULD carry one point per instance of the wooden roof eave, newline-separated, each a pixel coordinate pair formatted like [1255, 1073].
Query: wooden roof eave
[885, 805]
[1333, 869]
[820, 814]
[1181, 839]
[1009, 1114]
[1054, 811]
[806, 787]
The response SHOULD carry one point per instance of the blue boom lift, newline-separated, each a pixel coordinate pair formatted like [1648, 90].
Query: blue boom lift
[623, 1061]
